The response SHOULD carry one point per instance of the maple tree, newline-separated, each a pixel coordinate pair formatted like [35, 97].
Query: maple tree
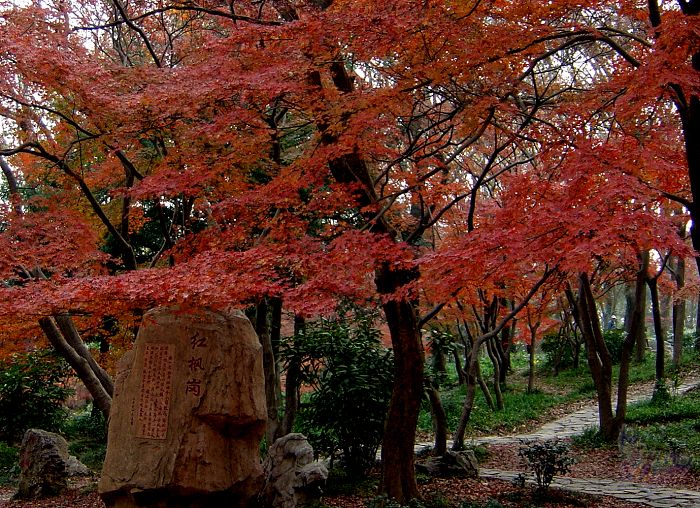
[298, 153]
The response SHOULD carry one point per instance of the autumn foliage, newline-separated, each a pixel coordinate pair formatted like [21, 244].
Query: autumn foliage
[413, 155]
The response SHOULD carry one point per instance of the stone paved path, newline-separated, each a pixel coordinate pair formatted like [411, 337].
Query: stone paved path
[650, 495]
[575, 423]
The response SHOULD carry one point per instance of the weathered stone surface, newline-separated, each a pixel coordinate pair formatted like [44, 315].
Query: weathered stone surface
[188, 414]
[463, 464]
[292, 479]
[45, 465]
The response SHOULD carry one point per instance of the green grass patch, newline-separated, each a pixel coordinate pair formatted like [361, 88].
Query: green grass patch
[519, 407]
[667, 430]
[673, 410]
[676, 444]
[591, 439]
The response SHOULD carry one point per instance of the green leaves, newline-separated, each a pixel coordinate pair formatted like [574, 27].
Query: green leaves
[32, 392]
[352, 376]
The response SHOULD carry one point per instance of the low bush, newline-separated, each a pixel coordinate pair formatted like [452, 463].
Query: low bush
[614, 340]
[546, 459]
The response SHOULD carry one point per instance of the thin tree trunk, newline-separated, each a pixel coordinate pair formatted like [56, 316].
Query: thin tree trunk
[678, 312]
[599, 361]
[262, 328]
[468, 405]
[461, 378]
[490, 348]
[439, 419]
[658, 329]
[628, 345]
[292, 384]
[484, 387]
[531, 374]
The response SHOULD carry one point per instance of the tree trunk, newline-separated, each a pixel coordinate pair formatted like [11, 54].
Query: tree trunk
[697, 324]
[484, 387]
[599, 361]
[636, 330]
[531, 373]
[292, 385]
[658, 329]
[468, 405]
[398, 479]
[678, 312]
[461, 377]
[262, 328]
[490, 348]
[439, 419]
[102, 399]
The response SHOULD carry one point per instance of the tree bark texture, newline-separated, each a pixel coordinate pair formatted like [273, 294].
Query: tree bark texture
[262, 328]
[101, 397]
[398, 479]
[658, 328]
[678, 312]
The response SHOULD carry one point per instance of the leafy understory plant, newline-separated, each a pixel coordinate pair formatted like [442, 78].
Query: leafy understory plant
[546, 459]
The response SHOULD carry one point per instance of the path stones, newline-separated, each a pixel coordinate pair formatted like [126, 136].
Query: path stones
[188, 414]
[650, 495]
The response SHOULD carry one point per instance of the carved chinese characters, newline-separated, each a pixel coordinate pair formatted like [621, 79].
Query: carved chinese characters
[154, 399]
[195, 365]
[188, 414]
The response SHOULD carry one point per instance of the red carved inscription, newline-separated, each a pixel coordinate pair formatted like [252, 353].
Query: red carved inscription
[156, 384]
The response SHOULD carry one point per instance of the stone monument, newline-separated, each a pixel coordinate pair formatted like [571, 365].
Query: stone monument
[188, 414]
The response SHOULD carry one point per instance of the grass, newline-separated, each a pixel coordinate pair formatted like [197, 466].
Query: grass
[667, 430]
[520, 407]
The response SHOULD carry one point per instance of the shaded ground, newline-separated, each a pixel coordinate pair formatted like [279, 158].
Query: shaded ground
[605, 463]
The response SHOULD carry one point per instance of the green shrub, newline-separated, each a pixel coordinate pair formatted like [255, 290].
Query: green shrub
[590, 439]
[558, 351]
[546, 459]
[86, 424]
[87, 435]
[614, 340]
[9, 464]
[353, 376]
[32, 393]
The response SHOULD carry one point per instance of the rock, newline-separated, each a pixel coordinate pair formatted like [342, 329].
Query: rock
[76, 468]
[292, 479]
[45, 465]
[462, 464]
[188, 414]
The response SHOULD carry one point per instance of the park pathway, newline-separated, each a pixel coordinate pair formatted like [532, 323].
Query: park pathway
[575, 423]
